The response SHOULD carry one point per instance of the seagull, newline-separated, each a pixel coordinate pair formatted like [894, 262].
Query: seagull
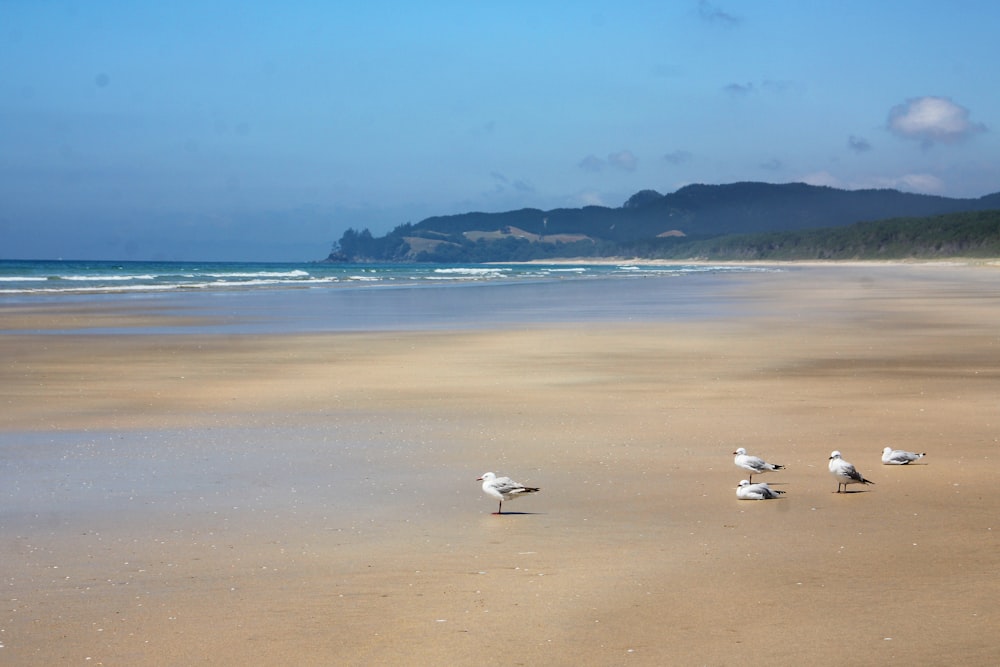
[503, 488]
[897, 457]
[754, 464]
[845, 472]
[759, 491]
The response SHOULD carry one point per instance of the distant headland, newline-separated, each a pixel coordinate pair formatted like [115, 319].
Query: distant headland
[737, 221]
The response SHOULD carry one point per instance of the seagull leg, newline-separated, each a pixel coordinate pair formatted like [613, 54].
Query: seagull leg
[499, 507]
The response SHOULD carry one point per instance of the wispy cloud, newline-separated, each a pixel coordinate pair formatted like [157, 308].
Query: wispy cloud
[774, 164]
[523, 186]
[922, 183]
[931, 120]
[713, 14]
[858, 144]
[503, 185]
[739, 89]
[780, 86]
[591, 163]
[590, 198]
[678, 157]
[767, 86]
[624, 159]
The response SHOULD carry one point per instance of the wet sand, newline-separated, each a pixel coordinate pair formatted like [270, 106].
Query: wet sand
[310, 499]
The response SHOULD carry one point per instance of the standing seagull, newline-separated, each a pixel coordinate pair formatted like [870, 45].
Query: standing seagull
[503, 488]
[754, 464]
[845, 472]
[897, 457]
[759, 491]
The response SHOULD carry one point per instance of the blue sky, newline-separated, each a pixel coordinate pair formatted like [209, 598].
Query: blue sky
[259, 130]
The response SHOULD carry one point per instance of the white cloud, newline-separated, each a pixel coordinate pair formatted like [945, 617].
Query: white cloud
[922, 183]
[822, 178]
[590, 198]
[624, 159]
[932, 120]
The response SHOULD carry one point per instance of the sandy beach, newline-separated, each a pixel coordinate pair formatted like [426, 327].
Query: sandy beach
[311, 498]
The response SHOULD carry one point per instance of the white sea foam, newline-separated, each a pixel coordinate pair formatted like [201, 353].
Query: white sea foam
[259, 274]
[473, 271]
[26, 278]
[107, 278]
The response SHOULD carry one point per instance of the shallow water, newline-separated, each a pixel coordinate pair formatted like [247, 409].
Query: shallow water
[464, 305]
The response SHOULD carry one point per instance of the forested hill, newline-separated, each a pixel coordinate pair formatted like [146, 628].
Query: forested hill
[647, 225]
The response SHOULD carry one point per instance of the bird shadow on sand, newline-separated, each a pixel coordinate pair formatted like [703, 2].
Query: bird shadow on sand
[852, 492]
[516, 513]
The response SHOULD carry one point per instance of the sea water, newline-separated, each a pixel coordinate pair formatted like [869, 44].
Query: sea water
[309, 297]
[54, 277]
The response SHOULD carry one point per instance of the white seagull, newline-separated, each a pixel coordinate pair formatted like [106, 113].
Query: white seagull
[759, 491]
[845, 472]
[754, 464]
[898, 457]
[503, 488]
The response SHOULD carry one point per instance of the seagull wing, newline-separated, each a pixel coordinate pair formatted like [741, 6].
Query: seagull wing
[508, 487]
[848, 470]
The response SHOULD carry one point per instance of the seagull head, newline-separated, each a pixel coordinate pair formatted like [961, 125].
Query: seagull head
[740, 452]
[743, 482]
[835, 454]
[487, 476]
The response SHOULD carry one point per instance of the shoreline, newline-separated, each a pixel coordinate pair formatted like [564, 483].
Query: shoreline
[310, 497]
[852, 263]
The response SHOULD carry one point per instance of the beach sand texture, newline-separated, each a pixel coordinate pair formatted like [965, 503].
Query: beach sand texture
[312, 499]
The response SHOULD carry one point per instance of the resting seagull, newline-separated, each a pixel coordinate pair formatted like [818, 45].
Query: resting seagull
[754, 464]
[845, 472]
[503, 488]
[897, 457]
[759, 491]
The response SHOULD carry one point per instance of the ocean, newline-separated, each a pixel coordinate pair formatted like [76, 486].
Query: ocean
[308, 297]
[53, 277]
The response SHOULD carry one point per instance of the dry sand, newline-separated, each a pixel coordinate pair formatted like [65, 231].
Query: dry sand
[311, 499]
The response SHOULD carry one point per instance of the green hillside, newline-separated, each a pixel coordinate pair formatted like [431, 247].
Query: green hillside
[970, 234]
[738, 220]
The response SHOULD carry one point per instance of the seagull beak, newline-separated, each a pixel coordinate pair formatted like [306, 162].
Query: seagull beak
[479, 479]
